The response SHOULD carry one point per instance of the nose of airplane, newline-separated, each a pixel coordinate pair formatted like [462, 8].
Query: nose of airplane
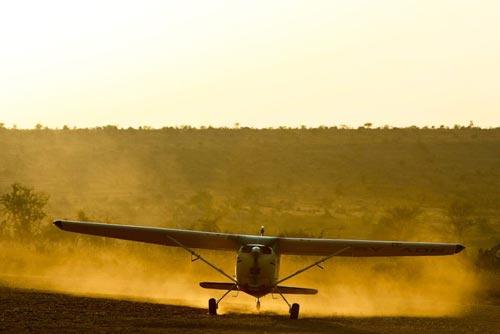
[255, 250]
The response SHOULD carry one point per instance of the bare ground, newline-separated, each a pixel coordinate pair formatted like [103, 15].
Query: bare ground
[43, 312]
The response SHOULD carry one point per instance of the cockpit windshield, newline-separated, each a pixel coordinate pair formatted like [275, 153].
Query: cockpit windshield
[263, 249]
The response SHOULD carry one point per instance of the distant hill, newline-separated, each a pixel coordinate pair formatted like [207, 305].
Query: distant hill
[145, 175]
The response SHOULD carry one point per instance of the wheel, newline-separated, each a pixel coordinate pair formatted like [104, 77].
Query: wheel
[212, 306]
[294, 311]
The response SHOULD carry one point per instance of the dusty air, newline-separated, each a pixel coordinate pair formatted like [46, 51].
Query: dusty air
[258, 256]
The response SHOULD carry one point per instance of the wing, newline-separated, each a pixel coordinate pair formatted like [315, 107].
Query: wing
[325, 247]
[154, 235]
[231, 242]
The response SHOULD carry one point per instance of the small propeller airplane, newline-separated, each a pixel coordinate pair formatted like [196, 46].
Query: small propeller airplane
[258, 256]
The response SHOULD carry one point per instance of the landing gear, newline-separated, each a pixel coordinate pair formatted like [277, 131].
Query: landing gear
[258, 304]
[212, 306]
[213, 303]
[294, 311]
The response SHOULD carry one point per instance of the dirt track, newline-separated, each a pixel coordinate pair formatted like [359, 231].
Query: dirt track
[34, 311]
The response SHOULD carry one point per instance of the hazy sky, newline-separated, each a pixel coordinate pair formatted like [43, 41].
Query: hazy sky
[259, 63]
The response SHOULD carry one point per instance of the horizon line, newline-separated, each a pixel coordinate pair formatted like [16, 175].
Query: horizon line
[237, 126]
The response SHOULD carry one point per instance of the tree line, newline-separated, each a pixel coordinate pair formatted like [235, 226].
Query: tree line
[24, 218]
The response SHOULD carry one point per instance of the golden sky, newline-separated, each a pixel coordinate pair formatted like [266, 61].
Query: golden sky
[259, 63]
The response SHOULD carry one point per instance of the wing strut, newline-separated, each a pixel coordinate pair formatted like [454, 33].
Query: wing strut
[199, 257]
[317, 263]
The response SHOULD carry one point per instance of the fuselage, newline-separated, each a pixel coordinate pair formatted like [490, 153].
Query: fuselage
[257, 269]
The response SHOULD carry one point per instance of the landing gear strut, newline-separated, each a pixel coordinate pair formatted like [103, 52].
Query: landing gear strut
[212, 306]
[258, 304]
[213, 303]
[293, 309]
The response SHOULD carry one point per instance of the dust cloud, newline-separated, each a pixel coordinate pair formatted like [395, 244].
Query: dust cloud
[312, 182]
[400, 287]
[433, 286]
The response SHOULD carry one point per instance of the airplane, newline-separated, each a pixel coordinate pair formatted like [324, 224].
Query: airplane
[258, 256]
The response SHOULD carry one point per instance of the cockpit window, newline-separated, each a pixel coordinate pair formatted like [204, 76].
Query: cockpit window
[246, 249]
[263, 249]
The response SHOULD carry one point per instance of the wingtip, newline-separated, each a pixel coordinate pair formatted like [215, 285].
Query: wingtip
[58, 223]
[459, 248]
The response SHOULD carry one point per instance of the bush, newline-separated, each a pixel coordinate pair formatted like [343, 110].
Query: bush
[23, 210]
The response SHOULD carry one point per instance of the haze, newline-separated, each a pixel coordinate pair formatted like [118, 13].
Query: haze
[259, 64]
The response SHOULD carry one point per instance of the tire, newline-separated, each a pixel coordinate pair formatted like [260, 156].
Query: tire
[294, 311]
[212, 306]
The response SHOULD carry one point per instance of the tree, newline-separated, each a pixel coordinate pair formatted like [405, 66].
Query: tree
[208, 213]
[199, 212]
[23, 209]
[460, 216]
[82, 216]
[397, 222]
[489, 259]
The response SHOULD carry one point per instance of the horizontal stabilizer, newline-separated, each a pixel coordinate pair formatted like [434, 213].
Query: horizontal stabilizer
[286, 290]
[290, 290]
[218, 285]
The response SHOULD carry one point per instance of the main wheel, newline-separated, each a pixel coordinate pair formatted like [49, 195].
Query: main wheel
[212, 306]
[294, 311]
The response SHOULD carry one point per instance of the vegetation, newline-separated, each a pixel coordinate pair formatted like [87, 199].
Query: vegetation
[406, 184]
[23, 209]
[329, 181]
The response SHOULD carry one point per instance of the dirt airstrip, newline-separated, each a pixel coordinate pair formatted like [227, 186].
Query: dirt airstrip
[34, 311]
